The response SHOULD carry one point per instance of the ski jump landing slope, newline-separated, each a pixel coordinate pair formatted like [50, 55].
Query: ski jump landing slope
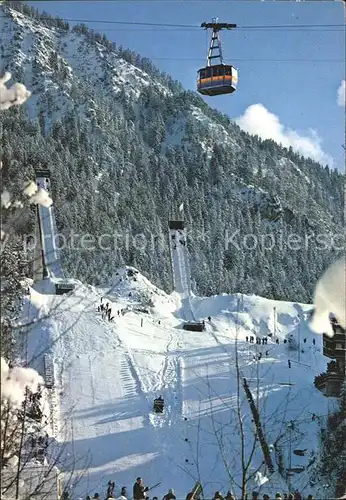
[48, 235]
[108, 373]
[181, 271]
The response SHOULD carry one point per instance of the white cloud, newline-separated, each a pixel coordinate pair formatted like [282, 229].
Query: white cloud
[257, 120]
[341, 94]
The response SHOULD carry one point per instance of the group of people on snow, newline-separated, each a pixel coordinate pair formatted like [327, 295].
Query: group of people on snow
[105, 310]
[285, 496]
[256, 496]
[139, 492]
[263, 340]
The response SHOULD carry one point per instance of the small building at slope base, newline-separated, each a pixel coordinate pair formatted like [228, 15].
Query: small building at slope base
[194, 326]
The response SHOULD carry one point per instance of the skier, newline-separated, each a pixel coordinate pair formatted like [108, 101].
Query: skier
[277, 341]
[251, 339]
[247, 339]
[304, 340]
[170, 495]
[209, 319]
[289, 364]
[139, 489]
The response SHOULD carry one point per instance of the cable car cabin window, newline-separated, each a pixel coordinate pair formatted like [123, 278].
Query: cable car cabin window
[219, 71]
[208, 72]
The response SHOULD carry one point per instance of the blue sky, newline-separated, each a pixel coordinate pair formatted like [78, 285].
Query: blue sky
[294, 75]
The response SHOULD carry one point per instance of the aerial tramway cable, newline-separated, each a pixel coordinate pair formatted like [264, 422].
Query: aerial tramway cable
[291, 27]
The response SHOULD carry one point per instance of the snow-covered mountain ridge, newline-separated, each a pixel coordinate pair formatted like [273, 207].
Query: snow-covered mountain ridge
[126, 145]
[56, 60]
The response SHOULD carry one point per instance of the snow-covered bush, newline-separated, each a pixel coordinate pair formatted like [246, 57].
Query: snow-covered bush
[14, 95]
[16, 383]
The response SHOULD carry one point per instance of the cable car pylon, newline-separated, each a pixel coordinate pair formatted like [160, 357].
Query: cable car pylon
[221, 78]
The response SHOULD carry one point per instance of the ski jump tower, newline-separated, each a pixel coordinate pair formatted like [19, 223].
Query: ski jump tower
[47, 255]
[181, 272]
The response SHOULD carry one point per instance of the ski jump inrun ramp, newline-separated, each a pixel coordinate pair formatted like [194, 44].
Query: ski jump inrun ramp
[181, 267]
[49, 260]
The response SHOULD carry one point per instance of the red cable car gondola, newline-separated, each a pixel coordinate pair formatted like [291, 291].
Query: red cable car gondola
[217, 79]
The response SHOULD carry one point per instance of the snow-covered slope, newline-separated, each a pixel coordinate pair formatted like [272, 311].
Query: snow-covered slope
[108, 373]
